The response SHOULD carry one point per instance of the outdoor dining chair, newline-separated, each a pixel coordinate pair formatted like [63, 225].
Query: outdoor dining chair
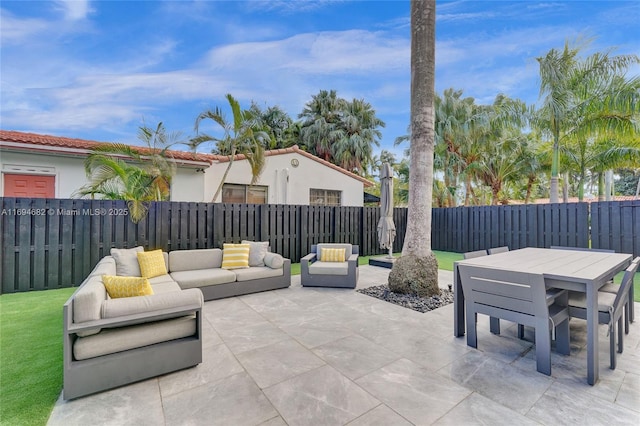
[613, 289]
[494, 323]
[610, 287]
[610, 309]
[519, 297]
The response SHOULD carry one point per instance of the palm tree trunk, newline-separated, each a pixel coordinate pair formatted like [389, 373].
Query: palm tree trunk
[608, 185]
[416, 271]
[224, 176]
[600, 186]
[530, 182]
[555, 162]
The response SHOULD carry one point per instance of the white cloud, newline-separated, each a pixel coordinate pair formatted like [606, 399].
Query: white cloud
[291, 6]
[74, 10]
[16, 30]
[317, 53]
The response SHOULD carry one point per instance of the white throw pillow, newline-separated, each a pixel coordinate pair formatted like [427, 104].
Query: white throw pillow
[273, 260]
[127, 261]
[257, 250]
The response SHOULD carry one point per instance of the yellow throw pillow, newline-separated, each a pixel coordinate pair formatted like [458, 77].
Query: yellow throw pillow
[152, 264]
[126, 286]
[235, 256]
[332, 254]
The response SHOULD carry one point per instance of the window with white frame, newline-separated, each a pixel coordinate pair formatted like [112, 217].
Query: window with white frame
[324, 197]
[235, 193]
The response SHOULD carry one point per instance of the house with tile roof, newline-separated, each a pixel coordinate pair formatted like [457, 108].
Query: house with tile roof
[34, 165]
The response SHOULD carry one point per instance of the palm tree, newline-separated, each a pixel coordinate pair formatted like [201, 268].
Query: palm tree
[339, 131]
[137, 175]
[416, 270]
[358, 131]
[277, 123]
[321, 118]
[569, 88]
[244, 135]
[453, 123]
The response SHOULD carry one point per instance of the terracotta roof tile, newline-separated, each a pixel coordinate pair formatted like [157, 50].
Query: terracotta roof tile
[82, 144]
[63, 142]
[297, 150]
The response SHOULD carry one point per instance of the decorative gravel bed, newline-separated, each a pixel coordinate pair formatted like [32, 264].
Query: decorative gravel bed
[420, 304]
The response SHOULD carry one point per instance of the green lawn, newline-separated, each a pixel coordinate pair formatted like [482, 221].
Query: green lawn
[30, 355]
[445, 261]
[31, 348]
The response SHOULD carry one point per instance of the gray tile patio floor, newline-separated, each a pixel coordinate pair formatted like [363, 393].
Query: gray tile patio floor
[304, 356]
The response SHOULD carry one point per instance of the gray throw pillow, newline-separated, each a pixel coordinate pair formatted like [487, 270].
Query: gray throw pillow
[127, 261]
[273, 260]
[257, 250]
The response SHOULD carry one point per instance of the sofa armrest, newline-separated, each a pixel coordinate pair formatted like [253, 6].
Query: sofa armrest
[353, 258]
[134, 319]
[310, 258]
[305, 261]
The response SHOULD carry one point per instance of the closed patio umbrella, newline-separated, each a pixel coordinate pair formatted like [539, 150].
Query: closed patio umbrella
[386, 227]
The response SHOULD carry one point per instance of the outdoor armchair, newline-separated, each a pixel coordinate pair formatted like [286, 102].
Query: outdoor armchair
[319, 271]
[610, 309]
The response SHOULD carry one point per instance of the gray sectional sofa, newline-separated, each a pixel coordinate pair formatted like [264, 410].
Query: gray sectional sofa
[113, 342]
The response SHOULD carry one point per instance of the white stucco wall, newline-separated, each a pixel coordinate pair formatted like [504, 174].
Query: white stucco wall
[69, 171]
[188, 185]
[294, 190]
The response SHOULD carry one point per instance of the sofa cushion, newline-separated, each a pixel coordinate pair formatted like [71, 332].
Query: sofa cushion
[162, 279]
[165, 287]
[332, 254]
[118, 287]
[203, 277]
[257, 250]
[235, 256]
[189, 260]
[329, 268]
[115, 308]
[136, 336]
[257, 272]
[127, 261]
[152, 263]
[273, 260]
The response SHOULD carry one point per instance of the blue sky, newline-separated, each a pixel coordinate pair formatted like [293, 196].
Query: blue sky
[96, 69]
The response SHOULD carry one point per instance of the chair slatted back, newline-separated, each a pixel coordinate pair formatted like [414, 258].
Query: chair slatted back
[497, 250]
[582, 249]
[474, 254]
[627, 281]
[504, 290]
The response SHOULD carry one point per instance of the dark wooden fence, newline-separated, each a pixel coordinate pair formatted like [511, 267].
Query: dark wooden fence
[54, 243]
[616, 225]
[463, 229]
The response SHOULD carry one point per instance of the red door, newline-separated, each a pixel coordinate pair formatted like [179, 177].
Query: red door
[31, 186]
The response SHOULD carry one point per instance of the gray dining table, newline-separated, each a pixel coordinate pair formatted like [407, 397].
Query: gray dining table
[584, 271]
